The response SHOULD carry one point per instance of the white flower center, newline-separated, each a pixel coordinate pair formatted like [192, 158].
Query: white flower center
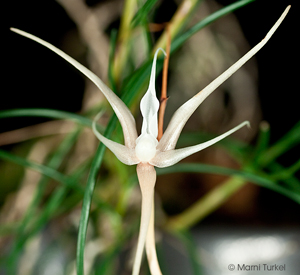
[145, 148]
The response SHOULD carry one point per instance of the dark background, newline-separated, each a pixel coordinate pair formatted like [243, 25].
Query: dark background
[34, 77]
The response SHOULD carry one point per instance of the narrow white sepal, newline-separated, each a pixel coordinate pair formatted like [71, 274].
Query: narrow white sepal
[147, 178]
[123, 113]
[150, 246]
[181, 116]
[168, 158]
[150, 104]
[123, 153]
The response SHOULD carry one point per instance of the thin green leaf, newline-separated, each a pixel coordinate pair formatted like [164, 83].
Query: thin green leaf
[191, 247]
[87, 199]
[54, 162]
[288, 172]
[286, 175]
[137, 83]
[55, 200]
[143, 12]
[199, 168]
[49, 113]
[289, 140]
[68, 181]
[47, 171]
[261, 144]
[179, 41]
[112, 44]
[211, 169]
[51, 173]
[205, 205]
[133, 84]
[105, 264]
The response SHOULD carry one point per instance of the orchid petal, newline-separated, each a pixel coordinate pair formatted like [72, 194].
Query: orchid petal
[180, 117]
[150, 104]
[168, 158]
[147, 177]
[123, 113]
[150, 246]
[123, 153]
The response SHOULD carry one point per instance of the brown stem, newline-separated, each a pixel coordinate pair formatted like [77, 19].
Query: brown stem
[163, 97]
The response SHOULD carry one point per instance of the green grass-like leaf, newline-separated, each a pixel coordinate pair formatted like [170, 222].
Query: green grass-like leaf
[113, 43]
[143, 12]
[49, 113]
[87, 199]
[191, 248]
[56, 198]
[289, 140]
[180, 40]
[260, 180]
[45, 170]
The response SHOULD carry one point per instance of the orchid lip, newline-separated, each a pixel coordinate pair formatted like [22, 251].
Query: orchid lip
[145, 149]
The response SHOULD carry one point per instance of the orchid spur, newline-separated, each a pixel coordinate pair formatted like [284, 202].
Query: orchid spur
[145, 150]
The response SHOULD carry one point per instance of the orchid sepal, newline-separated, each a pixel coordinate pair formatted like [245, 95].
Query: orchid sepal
[123, 113]
[181, 116]
[123, 153]
[171, 157]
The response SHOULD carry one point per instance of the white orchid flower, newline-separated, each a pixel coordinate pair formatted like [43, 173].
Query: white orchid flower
[145, 150]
